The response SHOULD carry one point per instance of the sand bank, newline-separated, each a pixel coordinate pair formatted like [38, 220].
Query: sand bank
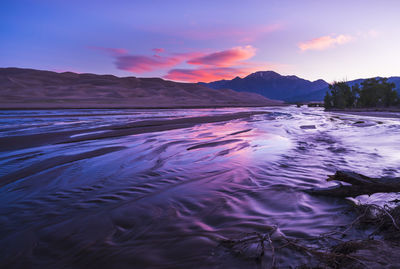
[145, 126]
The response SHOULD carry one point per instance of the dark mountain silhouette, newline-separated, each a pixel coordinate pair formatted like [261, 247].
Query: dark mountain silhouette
[287, 88]
[271, 85]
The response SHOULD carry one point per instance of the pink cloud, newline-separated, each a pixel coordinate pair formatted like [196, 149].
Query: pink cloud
[325, 42]
[226, 64]
[372, 33]
[141, 64]
[207, 74]
[145, 63]
[225, 58]
[158, 50]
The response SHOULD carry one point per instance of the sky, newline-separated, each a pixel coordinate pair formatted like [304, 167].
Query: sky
[193, 41]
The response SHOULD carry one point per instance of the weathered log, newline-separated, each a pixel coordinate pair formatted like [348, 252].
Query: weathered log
[357, 184]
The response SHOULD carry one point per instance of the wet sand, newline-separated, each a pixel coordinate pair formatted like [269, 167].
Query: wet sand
[53, 162]
[379, 114]
[146, 126]
[370, 113]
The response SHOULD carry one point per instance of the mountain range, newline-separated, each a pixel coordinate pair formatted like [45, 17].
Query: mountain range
[29, 88]
[287, 88]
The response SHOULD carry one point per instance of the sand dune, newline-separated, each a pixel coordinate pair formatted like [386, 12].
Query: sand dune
[28, 88]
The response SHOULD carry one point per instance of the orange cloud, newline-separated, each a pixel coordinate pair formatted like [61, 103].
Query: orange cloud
[225, 58]
[208, 74]
[325, 42]
[225, 64]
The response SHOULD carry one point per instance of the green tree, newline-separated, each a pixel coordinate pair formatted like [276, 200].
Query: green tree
[355, 90]
[388, 95]
[378, 92]
[368, 93]
[328, 100]
[341, 95]
[372, 93]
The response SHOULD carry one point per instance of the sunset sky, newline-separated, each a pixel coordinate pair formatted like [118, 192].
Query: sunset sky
[203, 40]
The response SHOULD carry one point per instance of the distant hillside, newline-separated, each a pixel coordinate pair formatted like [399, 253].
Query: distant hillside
[271, 85]
[320, 94]
[28, 88]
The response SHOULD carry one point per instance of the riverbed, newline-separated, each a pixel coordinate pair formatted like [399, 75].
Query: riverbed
[99, 194]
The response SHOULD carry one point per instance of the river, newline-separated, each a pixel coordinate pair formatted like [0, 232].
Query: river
[166, 199]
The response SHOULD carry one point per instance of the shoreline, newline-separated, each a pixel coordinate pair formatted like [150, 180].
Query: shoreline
[2, 108]
[367, 109]
[380, 113]
[10, 143]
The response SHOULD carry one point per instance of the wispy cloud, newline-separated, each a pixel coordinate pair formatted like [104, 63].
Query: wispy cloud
[325, 42]
[372, 33]
[225, 64]
[225, 58]
[145, 63]
[158, 50]
[207, 74]
[141, 64]
[111, 51]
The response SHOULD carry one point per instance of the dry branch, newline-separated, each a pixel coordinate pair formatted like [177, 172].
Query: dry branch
[357, 184]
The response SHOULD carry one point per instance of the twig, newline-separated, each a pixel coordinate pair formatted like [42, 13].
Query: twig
[390, 216]
[272, 250]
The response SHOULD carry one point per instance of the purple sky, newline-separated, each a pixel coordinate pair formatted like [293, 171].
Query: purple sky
[203, 40]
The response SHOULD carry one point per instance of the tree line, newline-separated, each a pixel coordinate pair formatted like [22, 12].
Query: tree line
[373, 92]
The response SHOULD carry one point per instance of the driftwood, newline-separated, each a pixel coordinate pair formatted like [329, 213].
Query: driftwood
[357, 184]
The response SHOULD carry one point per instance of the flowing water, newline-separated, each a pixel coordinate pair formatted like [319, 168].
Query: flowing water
[166, 199]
